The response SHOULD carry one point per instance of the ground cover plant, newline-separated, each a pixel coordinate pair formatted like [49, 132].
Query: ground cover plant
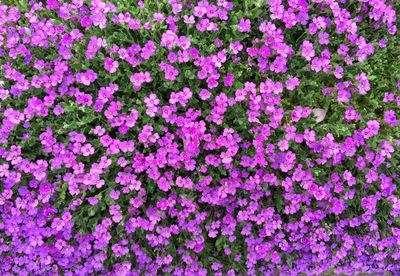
[199, 137]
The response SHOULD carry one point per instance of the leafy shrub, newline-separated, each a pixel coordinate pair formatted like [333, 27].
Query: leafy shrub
[193, 138]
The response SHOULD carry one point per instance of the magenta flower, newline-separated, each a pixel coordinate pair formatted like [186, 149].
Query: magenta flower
[111, 65]
[307, 50]
[244, 25]
[390, 118]
[45, 188]
[292, 83]
[319, 193]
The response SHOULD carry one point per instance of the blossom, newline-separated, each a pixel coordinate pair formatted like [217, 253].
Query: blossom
[45, 187]
[169, 39]
[244, 25]
[86, 78]
[292, 83]
[319, 193]
[307, 50]
[390, 118]
[152, 100]
[111, 65]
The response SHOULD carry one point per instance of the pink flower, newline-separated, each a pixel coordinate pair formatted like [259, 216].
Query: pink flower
[338, 72]
[87, 150]
[319, 193]
[292, 83]
[163, 184]
[244, 25]
[152, 100]
[169, 39]
[236, 47]
[184, 42]
[226, 159]
[99, 131]
[57, 224]
[204, 94]
[114, 194]
[162, 204]
[307, 50]
[45, 188]
[228, 81]
[93, 201]
[323, 38]
[110, 65]
[390, 118]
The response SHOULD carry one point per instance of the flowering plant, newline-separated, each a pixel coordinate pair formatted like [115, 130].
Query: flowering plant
[199, 137]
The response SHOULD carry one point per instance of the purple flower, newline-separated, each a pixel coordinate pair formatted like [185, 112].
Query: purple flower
[45, 188]
[244, 25]
[292, 83]
[390, 118]
[307, 50]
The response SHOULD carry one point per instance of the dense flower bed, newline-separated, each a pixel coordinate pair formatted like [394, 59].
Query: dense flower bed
[192, 138]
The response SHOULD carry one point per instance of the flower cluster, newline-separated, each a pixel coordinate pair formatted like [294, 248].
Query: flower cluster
[199, 137]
